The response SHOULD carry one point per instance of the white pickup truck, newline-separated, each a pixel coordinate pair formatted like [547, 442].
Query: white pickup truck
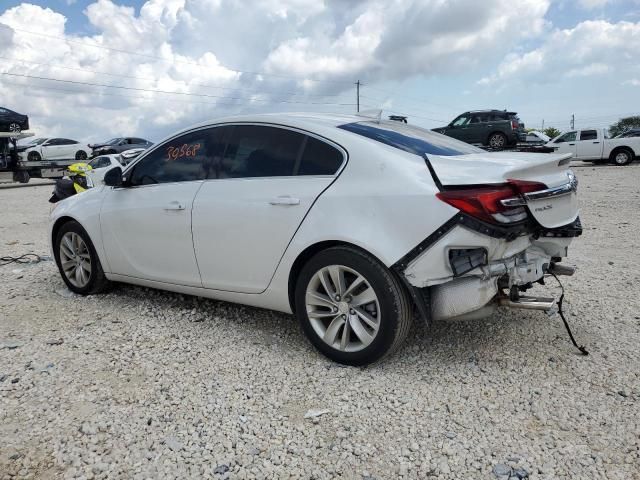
[593, 145]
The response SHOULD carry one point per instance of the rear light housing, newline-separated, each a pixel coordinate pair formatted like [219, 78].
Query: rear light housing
[497, 204]
[514, 124]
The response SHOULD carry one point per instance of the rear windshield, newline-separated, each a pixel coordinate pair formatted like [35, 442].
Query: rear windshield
[410, 138]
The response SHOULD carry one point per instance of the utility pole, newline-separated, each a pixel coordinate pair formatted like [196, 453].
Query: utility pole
[573, 121]
[543, 125]
[358, 96]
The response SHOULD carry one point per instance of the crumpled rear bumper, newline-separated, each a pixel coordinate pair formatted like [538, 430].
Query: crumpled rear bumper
[464, 270]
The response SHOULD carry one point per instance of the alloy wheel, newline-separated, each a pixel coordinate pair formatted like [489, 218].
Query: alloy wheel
[15, 128]
[343, 308]
[621, 158]
[496, 141]
[75, 259]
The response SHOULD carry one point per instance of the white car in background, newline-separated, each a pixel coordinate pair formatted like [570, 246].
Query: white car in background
[49, 148]
[347, 222]
[536, 137]
[103, 163]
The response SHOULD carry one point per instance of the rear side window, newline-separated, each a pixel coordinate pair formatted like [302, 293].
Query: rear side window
[411, 139]
[588, 135]
[189, 157]
[261, 151]
[319, 158]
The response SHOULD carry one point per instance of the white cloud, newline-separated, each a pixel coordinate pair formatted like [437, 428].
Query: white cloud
[192, 46]
[589, 49]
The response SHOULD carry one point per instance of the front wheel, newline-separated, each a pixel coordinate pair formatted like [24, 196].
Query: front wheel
[351, 307]
[78, 261]
[621, 157]
[34, 157]
[81, 155]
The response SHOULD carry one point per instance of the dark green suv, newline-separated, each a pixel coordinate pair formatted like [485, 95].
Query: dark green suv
[493, 128]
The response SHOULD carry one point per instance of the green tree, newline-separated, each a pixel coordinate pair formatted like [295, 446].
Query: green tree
[552, 132]
[624, 124]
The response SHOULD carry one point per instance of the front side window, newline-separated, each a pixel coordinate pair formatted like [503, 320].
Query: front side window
[260, 151]
[588, 135]
[411, 139]
[461, 120]
[567, 137]
[186, 158]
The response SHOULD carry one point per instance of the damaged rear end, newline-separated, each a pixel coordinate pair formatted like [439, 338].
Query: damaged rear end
[516, 217]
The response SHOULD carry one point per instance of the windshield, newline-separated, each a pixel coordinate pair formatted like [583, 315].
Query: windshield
[113, 141]
[34, 141]
[410, 138]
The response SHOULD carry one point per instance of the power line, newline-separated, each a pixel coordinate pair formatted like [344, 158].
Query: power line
[135, 97]
[139, 89]
[416, 99]
[84, 70]
[155, 57]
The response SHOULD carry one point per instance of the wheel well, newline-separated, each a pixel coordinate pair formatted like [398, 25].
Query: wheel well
[306, 255]
[620, 149]
[56, 227]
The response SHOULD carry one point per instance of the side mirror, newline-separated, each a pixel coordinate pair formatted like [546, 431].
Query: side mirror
[113, 178]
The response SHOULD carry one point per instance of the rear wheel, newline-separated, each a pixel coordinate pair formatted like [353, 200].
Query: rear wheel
[621, 157]
[81, 155]
[351, 307]
[15, 128]
[78, 261]
[497, 140]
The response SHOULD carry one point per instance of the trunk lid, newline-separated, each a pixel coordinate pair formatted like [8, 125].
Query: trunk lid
[553, 207]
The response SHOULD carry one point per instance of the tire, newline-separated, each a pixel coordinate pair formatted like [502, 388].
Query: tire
[81, 155]
[15, 128]
[34, 157]
[497, 140]
[386, 320]
[21, 176]
[84, 283]
[621, 157]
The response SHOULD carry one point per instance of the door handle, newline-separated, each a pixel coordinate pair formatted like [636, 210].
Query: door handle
[596, 142]
[284, 200]
[175, 205]
[572, 144]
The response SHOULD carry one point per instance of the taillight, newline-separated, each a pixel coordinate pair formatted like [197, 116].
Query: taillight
[514, 124]
[492, 203]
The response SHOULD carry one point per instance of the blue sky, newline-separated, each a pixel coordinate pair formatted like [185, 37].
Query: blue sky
[546, 59]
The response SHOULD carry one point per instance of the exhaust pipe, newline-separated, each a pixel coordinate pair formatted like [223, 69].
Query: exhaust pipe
[528, 303]
[558, 269]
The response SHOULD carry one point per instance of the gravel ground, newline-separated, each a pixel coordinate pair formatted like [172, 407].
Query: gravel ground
[141, 383]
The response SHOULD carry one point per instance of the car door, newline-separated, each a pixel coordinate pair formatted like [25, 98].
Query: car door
[566, 143]
[67, 148]
[588, 146]
[459, 128]
[51, 149]
[477, 131]
[146, 224]
[243, 219]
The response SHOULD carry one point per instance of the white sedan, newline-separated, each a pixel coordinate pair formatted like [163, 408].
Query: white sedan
[345, 221]
[102, 164]
[45, 148]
